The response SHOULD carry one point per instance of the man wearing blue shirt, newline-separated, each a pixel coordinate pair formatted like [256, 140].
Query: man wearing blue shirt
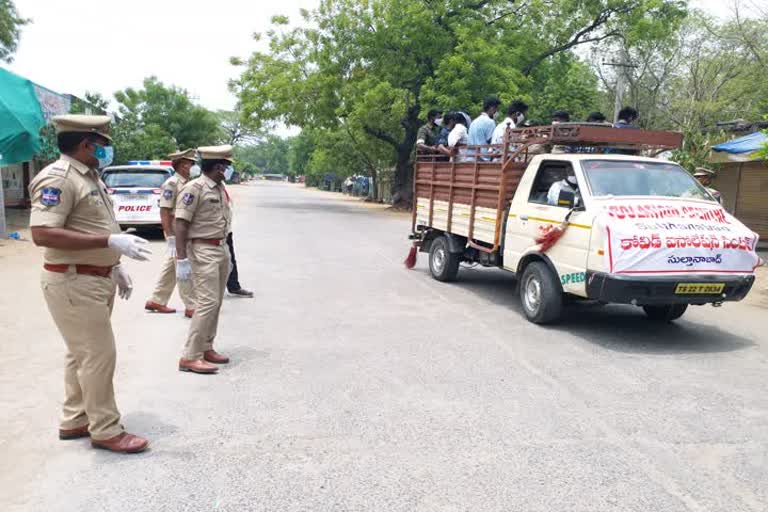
[481, 129]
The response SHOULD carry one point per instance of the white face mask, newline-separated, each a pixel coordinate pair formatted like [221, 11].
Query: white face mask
[194, 171]
[571, 180]
[439, 121]
[520, 119]
[229, 172]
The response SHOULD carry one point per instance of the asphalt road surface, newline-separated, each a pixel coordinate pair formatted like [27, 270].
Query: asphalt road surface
[358, 385]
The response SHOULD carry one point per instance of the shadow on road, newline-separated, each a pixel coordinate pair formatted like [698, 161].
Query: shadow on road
[614, 327]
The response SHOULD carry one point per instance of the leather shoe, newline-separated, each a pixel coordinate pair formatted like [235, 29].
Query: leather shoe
[214, 357]
[189, 313]
[196, 366]
[122, 443]
[74, 433]
[242, 292]
[158, 308]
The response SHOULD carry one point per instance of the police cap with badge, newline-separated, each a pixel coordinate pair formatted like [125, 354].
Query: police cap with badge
[216, 153]
[187, 154]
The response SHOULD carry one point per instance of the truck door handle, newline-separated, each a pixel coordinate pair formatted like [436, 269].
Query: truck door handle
[523, 217]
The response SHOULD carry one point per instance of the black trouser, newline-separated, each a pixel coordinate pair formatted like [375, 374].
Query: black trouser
[233, 284]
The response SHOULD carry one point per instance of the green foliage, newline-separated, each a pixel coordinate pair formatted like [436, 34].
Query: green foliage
[93, 103]
[159, 119]
[268, 156]
[10, 29]
[697, 148]
[366, 70]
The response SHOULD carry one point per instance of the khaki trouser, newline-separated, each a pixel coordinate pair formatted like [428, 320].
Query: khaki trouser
[81, 307]
[166, 283]
[210, 269]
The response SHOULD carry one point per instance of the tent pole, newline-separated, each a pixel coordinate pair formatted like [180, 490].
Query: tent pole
[3, 233]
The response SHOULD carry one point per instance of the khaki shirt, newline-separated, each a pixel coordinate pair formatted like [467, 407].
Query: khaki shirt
[206, 206]
[67, 194]
[170, 190]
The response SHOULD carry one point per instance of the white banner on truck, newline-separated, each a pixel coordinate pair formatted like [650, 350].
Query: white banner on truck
[675, 236]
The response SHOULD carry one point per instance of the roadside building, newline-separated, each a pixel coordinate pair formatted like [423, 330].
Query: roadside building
[743, 180]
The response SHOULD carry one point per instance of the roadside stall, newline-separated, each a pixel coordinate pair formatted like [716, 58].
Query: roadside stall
[21, 119]
[743, 180]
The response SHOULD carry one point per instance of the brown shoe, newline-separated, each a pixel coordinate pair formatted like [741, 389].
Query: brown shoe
[196, 366]
[74, 433]
[158, 308]
[123, 443]
[214, 357]
[189, 313]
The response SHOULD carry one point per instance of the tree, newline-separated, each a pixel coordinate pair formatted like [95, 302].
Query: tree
[171, 110]
[10, 29]
[400, 57]
[159, 119]
[234, 130]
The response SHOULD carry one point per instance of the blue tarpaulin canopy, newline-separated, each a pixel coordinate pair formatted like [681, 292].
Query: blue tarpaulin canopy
[21, 119]
[743, 149]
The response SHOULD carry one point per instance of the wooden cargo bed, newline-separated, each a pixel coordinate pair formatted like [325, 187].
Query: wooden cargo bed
[471, 198]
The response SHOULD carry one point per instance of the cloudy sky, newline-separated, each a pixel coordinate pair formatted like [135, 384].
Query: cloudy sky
[78, 45]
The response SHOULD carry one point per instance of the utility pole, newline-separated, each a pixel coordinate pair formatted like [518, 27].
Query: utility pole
[3, 227]
[621, 66]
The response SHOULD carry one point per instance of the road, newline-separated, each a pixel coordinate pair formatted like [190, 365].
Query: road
[358, 385]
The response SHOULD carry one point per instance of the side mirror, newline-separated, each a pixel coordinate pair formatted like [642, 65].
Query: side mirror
[566, 199]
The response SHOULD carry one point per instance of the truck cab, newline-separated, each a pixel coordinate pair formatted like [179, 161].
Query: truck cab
[588, 222]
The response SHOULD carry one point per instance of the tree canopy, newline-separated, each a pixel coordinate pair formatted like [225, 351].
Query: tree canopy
[10, 29]
[376, 66]
[158, 119]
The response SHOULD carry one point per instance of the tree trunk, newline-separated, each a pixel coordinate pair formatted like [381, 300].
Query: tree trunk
[402, 188]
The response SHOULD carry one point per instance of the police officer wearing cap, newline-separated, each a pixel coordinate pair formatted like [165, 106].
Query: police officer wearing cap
[182, 164]
[203, 220]
[705, 176]
[72, 217]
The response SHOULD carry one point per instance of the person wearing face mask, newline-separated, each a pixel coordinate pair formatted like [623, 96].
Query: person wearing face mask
[203, 221]
[482, 128]
[73, 218]
[182, 164]
[515, 116]
[426, 137]
[569, 184]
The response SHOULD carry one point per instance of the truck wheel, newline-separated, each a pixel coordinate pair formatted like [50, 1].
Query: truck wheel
[540, 294]
[443, 265]
[665, 313]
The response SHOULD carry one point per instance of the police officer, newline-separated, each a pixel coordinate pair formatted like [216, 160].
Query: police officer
[72, 217]
[203, 220]
[182, 164]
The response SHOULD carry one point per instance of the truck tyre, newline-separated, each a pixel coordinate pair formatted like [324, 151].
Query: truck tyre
[443, 265]
[540, 294]
[666, 313]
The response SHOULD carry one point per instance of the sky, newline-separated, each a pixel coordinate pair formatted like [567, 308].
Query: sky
[73, 46]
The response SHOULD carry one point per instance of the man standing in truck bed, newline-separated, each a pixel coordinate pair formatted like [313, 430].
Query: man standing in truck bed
[182, 163]
[203, 220]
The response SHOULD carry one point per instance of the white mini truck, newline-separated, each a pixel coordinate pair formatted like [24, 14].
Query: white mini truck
[634, 230]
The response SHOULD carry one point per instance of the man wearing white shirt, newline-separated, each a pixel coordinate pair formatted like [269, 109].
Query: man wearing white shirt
[515, 115]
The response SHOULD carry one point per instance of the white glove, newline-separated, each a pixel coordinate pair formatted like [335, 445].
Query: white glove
[123, 280]
[130, 246]
[171, 246]
[183, 270]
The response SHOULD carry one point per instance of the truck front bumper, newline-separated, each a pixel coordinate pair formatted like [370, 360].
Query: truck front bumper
[659, 290]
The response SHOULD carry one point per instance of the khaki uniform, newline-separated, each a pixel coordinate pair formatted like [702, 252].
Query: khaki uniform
[167, 280]
[70, 195]
[205, 205]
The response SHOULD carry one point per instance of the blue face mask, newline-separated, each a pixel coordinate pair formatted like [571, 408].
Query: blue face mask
[229, 172]
[105, 155]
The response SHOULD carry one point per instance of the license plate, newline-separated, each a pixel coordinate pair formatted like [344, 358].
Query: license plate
[699, 288]
[136, 197]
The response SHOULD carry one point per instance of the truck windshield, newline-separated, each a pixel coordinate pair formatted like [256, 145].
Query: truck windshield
[627, 178]
[133, 179]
